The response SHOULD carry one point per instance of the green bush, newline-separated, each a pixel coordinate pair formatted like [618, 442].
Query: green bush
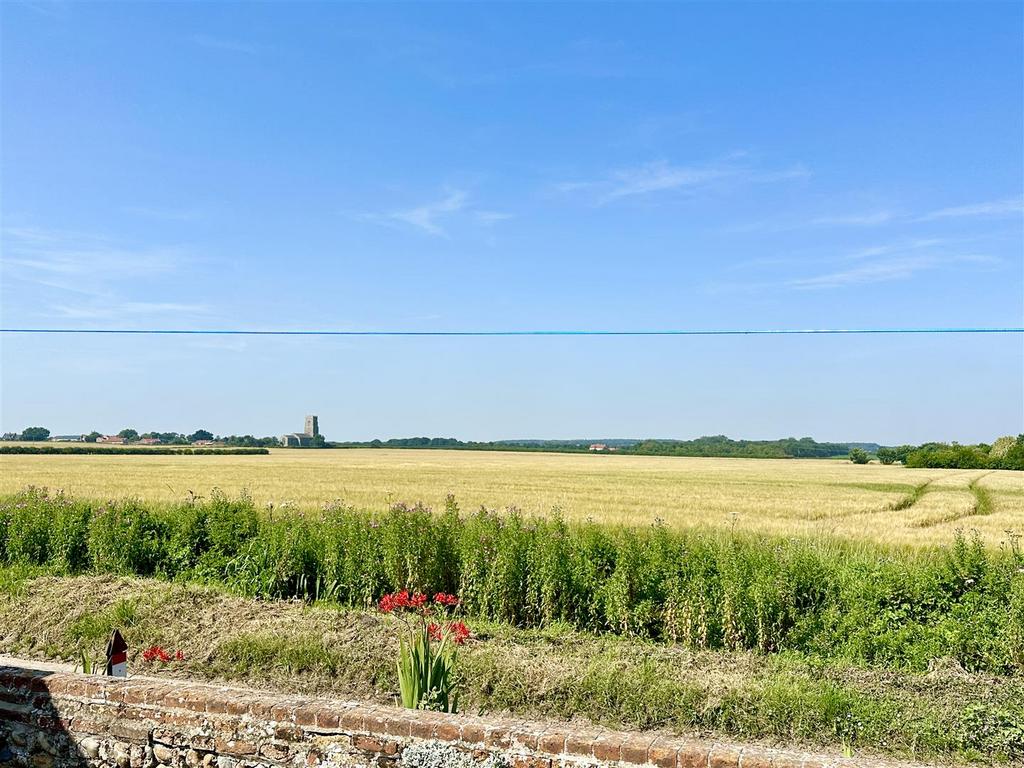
[859, 456]
[125, 537]
[1006, 453]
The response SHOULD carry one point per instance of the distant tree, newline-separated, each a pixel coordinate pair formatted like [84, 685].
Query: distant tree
[1001, 446]
[859, 456]
[91, 437]
[948, 456]
[1014, 456]
[128, 434]
[35, 433]
[248, 441]
[200, 434]
[887, 455]
[902, 451]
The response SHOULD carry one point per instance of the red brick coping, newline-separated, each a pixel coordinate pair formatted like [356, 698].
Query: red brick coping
[250, 727]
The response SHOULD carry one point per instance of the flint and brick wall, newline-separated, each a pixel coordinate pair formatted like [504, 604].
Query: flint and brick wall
[63, 720]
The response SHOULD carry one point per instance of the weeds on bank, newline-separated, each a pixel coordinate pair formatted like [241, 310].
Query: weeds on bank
[551, 671]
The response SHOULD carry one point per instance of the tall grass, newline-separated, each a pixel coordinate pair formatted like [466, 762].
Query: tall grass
[822, 597]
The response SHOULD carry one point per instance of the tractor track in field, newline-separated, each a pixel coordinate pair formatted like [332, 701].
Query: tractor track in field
[911, 498]
[982, 506]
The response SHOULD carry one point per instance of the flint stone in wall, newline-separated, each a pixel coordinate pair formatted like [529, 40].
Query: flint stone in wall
[122, 757]
[164, 755]
[90, 748]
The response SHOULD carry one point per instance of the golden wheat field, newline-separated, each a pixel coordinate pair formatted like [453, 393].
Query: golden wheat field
[881, 503]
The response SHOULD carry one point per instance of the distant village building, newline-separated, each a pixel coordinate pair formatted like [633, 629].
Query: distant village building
[598, 447]
[150, 441]
[114, 439]
[303, 439]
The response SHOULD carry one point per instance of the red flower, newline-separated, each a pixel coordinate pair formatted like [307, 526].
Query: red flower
[402, 600]
[179, 656]
[443, 598]
[434, 631]
[459, 632]
[156, 653]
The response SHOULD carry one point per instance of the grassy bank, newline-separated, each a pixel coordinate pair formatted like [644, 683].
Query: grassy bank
[902, 609]
[947, 713]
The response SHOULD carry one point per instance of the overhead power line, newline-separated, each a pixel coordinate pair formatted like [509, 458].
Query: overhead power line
[655, 332]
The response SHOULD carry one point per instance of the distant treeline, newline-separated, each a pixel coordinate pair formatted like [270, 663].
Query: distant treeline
[566, 446]
[129, 435]
[129, 449]
[180, 438]
[722, 446]
[715, 446]
[1005, 453]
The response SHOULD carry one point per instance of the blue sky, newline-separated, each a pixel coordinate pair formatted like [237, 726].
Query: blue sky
[457, 167]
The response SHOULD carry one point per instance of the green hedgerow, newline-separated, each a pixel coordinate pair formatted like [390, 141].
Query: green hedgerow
[705, 590]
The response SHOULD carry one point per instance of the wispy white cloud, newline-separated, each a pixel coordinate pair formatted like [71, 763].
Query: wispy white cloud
[797, 259]
[96, 271]
[430, 218]
[661, 176]
[658, 177]
[1011, 206]
[491, 217]
[161, 213]
[899, 246]
[217, 43]
[885, 262]
[872, 219]
[886, 270]
[111, 309]
[427, 217]
[79, 262]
